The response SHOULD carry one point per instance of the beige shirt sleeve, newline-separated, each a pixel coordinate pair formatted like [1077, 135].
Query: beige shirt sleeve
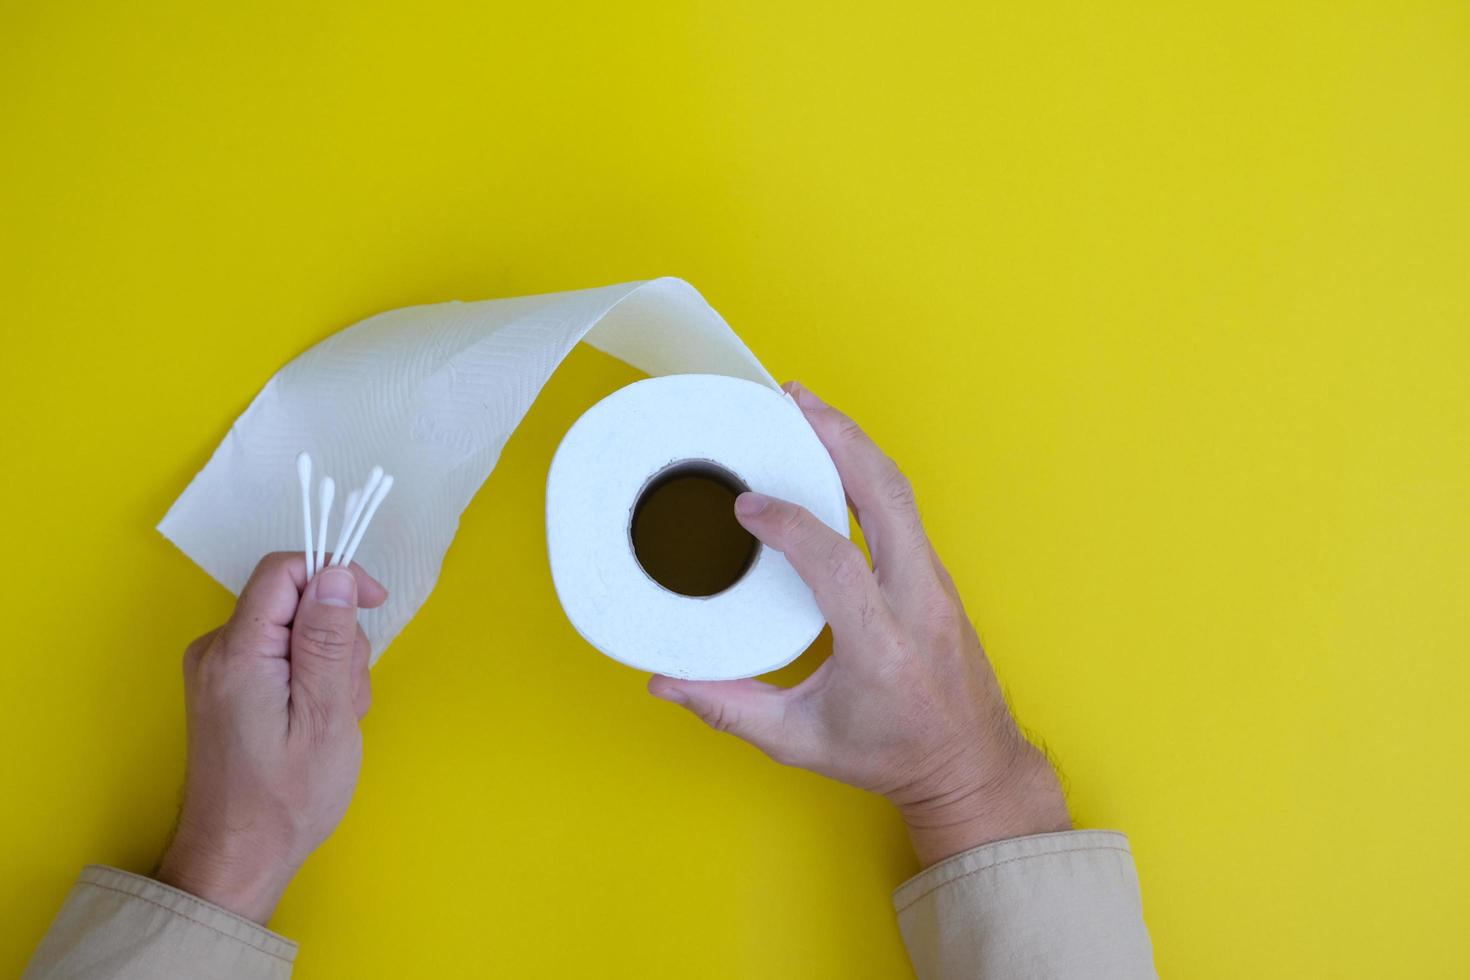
[1053, 906]
[126, 927]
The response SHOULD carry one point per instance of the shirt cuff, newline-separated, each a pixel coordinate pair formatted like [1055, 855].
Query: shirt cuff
[115, 924]
[1051, 905]
[190, 907]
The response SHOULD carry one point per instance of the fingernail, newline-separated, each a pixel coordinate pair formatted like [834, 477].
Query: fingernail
[336, 587]
[671, 694]
[750, 503]
[806, 399]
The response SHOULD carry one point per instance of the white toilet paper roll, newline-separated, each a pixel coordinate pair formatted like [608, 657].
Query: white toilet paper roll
[432, 393]
[624, 446]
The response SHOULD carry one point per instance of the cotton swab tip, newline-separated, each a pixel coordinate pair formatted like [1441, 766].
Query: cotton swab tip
[303, 467]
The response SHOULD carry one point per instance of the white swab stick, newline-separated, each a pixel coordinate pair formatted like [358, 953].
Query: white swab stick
[350, 510]
[374, 478]
[328, 491]
[367, 518]
[303, 470]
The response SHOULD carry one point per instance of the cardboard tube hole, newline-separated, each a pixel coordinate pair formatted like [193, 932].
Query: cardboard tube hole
[683, 529]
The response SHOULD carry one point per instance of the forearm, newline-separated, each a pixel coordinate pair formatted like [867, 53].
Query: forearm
[1019, 798]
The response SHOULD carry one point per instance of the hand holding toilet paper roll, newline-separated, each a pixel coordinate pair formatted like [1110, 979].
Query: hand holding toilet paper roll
[433, 392]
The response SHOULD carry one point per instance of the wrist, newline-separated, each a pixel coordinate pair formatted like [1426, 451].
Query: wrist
[1018, 798]
[239, 876]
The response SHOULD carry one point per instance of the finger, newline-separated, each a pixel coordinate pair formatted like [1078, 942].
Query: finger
[323, 637]
[267, 604]
[945, 579]
[362, 684]
[879, 492]
[195, 650]
[752, 710]
[831, 565]
[370, 592]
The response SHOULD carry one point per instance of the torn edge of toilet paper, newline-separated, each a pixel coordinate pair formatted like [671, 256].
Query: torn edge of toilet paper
[432, 393]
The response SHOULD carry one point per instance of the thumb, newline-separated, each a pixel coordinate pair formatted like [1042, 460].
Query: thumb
[322, 638]
[752, 710]
[831, 565]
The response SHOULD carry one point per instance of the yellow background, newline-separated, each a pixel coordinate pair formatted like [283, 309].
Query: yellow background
[1164, 309]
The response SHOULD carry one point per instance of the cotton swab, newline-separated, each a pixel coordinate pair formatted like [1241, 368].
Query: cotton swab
[303, 470]
[350, 510]
[353, 512]
[354, 515]
[375, 477]
[328, 491]
[357, 513]
[367, 517]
